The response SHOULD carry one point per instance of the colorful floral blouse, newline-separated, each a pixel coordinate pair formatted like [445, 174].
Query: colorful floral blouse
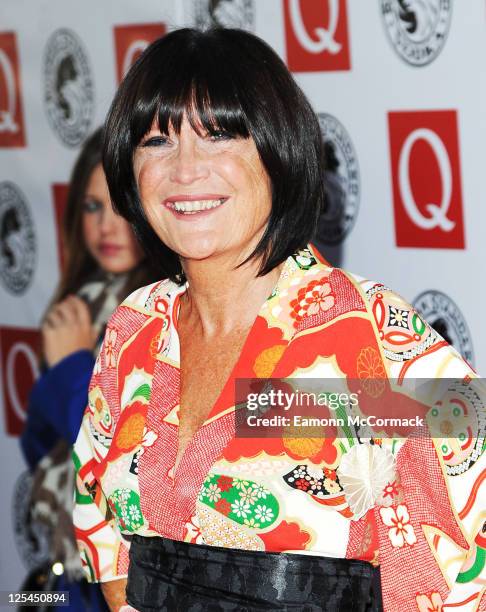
[414, 505]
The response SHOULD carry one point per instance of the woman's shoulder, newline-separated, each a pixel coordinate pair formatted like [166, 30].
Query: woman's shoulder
[312, 262]
[409, 342]
[394, 317]
[148, 302]
[373, 290]
[369, 288]
[146, 298]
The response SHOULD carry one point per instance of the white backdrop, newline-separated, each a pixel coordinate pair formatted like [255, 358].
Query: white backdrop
[400, 88]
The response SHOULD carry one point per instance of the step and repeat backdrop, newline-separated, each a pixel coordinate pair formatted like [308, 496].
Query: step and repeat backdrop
[399, 87]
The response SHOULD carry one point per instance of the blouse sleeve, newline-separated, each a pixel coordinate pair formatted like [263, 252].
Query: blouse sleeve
[103, 550]
[432, 534]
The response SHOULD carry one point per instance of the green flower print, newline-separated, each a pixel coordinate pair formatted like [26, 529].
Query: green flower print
[125, 504]
[243, 501]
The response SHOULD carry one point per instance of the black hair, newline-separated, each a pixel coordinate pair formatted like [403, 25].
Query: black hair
[223, 80]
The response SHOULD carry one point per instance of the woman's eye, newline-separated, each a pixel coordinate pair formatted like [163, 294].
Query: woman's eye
[219, 136]
[92, 206]
[155, 141]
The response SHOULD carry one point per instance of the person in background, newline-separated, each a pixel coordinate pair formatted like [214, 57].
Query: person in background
[103, 264]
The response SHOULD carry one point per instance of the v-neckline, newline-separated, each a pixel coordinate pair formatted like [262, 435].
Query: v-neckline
[216, 410]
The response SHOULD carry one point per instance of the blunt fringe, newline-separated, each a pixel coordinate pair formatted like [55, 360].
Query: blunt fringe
[221, 79]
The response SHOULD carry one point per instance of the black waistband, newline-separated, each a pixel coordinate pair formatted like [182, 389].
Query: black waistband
[170, 575]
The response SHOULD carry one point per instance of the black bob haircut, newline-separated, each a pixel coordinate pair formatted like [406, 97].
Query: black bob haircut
[223, 80]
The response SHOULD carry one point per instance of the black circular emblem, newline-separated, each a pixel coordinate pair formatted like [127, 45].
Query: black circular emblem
[224, 13]
[417, 29]
[341, 181]
[448, 321]
[18, 245]
[68, 87]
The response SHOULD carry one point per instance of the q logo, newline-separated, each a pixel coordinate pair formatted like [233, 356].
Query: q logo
[20, 369]
[438, 213]
[12, 132]
[131, 41]
[427, 195]
[316, 35]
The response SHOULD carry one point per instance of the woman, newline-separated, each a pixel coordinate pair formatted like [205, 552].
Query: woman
[214, 155]
[103, 265]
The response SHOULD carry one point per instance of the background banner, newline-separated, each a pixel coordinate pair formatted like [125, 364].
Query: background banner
[400, 91]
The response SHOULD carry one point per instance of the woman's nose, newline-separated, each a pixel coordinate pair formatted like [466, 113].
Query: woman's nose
[108, 219]
[189, 163]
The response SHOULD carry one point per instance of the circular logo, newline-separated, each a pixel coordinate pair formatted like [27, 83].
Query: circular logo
[448, 321]
[69, 88]
[417, 28]
[341, 182]
[18, 245]
[224, 13]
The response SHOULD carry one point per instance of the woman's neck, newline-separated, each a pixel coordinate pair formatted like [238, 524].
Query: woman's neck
[220, 300]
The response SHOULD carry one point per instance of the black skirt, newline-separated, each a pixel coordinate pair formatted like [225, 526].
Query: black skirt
[176, 576]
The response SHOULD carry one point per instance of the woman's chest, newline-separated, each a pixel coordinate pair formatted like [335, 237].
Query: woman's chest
[273, 493]
[205, 369]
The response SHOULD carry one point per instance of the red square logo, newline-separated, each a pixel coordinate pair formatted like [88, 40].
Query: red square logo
[59, 195]
[316, 35]
[12, 130]
[426, 176]
[20, 349]
[131, 41]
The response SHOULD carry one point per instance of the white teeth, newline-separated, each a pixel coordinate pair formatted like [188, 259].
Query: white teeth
[195, 206]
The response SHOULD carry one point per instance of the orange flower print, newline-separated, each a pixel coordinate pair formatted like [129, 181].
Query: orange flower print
[110, 341]
[432, 603]
[130, 430]
[267, 360]
[371, 371]
[401, 531]
[316, 297]
[317, 450]
[130, 434]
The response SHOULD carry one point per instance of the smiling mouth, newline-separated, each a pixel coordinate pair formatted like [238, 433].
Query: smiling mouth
[192, 207]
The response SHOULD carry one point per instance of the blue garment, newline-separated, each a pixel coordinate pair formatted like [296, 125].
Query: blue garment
[56, 406]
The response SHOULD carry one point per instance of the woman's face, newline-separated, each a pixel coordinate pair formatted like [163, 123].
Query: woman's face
[204, 196]
[108, 237]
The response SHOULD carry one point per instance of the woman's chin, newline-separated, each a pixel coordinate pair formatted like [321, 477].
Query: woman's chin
[198, 252]
[198, 255]
[200, 247]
